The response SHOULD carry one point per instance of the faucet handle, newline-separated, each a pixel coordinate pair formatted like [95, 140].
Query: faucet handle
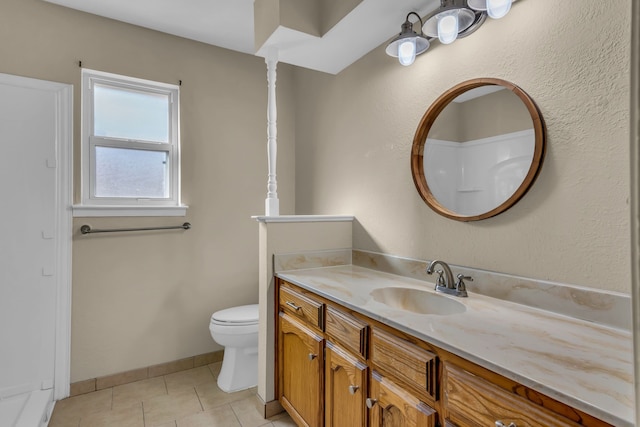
[461, 278]
[460, 286]
[440, 280]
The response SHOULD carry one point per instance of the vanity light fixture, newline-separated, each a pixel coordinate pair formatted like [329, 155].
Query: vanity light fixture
[496, 9]
[408, 44]
[454, 19]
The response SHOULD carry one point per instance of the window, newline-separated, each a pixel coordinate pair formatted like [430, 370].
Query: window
[130, 147]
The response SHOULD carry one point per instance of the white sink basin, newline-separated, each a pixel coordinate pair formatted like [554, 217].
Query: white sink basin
[418, 301]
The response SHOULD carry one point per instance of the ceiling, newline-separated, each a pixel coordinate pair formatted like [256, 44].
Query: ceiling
[230, 24]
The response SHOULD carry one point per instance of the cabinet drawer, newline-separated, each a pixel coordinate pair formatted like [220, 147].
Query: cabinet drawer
[347, 330]
[471, 401]
[408, 363]
[302, 307]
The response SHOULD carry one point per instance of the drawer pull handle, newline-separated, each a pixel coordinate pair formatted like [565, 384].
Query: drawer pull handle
[371, 402]
[292, 305]
[501, 424]
[312, 356]
[353, 389]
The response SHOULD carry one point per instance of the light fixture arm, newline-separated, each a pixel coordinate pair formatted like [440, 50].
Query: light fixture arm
[409, 24]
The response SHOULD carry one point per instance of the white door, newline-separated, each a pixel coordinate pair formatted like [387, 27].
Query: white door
[34, 118]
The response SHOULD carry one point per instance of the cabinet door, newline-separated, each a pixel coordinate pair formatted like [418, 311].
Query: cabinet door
[391, 406]
[345, 388]
[301, 376]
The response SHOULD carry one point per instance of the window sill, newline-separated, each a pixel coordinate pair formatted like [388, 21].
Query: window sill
[108, 210]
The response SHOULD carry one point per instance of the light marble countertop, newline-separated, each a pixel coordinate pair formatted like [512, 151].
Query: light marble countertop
[582, 364]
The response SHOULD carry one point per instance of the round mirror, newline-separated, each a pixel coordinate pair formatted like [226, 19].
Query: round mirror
[478, 149]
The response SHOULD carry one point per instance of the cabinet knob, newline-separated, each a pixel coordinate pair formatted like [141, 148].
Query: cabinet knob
[371, 402]
[312, 356]
[292, 305]
[501, 424]
[353, 389]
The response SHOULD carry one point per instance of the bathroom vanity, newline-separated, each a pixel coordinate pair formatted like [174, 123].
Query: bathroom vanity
[359, 347]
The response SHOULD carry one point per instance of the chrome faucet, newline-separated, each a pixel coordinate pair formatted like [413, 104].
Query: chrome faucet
[445, 284]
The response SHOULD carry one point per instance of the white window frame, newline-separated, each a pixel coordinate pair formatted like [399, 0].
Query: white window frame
[128, 206]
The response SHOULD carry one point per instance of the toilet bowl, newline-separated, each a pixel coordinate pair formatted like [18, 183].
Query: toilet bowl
[236, 329]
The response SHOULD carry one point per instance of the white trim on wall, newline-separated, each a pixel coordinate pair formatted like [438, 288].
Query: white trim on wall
[64, 194]
[304, 218]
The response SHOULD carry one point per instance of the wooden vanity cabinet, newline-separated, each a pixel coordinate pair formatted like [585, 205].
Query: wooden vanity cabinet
[338, 368]
[341, 388]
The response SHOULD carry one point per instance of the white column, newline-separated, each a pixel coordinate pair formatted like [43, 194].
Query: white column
[272, 204]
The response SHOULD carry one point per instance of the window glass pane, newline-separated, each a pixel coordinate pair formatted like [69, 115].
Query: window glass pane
[122, 172]
[130, 114]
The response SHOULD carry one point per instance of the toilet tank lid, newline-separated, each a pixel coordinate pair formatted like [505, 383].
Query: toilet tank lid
[240, 314]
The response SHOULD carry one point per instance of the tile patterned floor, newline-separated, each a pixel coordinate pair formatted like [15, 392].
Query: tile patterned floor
[184, 399]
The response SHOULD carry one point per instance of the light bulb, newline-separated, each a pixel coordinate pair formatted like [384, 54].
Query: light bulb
[448, 28]
[407, 51]
[496, 9]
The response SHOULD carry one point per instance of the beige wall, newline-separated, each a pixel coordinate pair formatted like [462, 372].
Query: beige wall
[354, 133]
[146, 298]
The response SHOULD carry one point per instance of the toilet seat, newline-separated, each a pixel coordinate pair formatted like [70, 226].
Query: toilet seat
[243, 315]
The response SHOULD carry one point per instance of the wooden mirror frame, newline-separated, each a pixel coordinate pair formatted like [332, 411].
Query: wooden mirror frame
[420, 138]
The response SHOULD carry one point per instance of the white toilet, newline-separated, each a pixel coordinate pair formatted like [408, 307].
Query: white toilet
[236, 329]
